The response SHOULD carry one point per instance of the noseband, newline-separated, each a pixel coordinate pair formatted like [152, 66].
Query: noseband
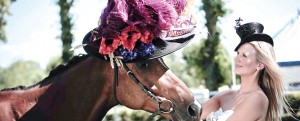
[145, 90]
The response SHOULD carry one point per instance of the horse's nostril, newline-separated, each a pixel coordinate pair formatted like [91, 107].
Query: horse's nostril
[192, 110]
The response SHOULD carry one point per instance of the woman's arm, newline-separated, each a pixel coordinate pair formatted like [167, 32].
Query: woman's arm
[208, 107]
[213, 104]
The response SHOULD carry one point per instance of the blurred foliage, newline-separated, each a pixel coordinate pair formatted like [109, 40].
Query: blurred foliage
[180, 68]
[66, 28]
[294, 100]
[124, 115]
[137, 115]
[133, 115]
[290, 118]
[53, 63]
[108, 117]
[23, 73]
[4, 10]
[216, 72]
[209, 58]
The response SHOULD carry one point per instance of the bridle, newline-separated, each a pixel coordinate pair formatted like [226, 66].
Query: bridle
[145, 90]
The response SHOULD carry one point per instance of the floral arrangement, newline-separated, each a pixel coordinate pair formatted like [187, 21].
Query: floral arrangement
[129, 44]
[127, 27]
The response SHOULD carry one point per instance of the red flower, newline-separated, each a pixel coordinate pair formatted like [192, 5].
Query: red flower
[109, 45]
[146, 37]
[129, 36]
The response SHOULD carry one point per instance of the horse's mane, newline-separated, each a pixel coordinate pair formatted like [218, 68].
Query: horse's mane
[60, 68]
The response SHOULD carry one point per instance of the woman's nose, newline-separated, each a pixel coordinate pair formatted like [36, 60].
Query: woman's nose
[236, 58]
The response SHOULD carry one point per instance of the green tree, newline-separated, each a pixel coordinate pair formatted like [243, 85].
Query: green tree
[210, 58]
[180, 68]
[66, 27]
[4, 10]
[53, 63]
[23, 73]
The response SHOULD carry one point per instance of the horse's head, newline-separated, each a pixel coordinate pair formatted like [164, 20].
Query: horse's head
[136, 39]
[177, 101]
[146, 82]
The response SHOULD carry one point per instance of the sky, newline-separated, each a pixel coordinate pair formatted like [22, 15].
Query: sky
[33, 29]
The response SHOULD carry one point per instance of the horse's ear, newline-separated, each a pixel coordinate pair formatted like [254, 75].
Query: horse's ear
[92, 46]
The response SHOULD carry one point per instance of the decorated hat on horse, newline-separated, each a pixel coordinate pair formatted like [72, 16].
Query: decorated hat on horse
[139, 30]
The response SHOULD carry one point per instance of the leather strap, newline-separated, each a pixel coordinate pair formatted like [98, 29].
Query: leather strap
[116, 75]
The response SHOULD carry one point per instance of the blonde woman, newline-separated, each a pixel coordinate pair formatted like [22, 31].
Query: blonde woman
[261, 91]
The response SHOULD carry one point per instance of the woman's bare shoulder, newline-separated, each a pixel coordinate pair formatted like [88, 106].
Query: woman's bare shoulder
[256, 99]
[227, 93]
[259, 96]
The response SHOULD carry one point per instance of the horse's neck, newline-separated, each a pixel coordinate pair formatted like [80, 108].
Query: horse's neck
[86, 89]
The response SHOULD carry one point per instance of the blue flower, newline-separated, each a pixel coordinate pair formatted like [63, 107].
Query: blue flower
[140, 50]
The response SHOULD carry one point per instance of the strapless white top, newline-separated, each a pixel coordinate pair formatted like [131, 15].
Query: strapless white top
[219, 115]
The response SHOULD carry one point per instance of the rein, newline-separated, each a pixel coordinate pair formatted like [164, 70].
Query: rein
[145, 90]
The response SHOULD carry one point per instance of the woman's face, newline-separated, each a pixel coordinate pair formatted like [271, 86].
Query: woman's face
[245, 61]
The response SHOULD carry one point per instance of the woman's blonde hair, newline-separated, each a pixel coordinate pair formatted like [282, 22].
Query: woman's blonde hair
[271, 80]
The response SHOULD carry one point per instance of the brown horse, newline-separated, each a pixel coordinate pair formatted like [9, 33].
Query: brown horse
[84, 90]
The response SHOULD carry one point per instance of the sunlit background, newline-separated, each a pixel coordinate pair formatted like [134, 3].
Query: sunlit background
[33, 30]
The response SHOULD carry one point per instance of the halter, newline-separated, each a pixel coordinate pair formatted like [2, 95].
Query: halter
[145, 90]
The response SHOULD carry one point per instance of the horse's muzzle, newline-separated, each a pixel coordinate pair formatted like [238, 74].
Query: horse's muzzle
[193, 113]
[194, 110]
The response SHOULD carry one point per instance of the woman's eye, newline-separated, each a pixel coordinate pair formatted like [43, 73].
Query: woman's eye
[244, 56]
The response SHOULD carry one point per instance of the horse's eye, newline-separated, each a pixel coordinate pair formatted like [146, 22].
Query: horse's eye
[142, 65]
